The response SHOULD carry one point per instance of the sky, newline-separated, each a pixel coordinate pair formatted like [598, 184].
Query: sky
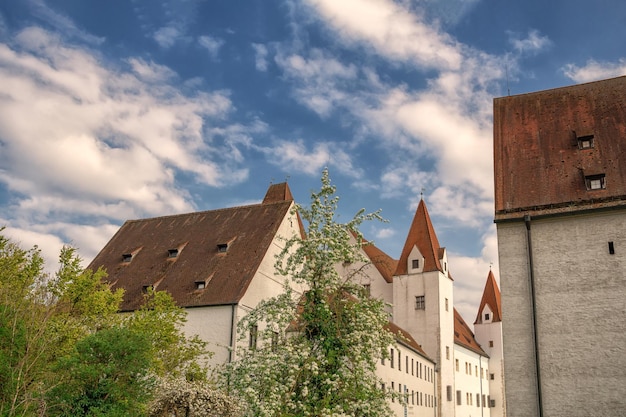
[122, 110]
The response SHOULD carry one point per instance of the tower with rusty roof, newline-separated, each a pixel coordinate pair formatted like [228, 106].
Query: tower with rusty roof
[560, 213]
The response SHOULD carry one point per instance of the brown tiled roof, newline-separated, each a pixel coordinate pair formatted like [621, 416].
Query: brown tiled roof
[491, 297]
[385, 264]
[538, 166]
[464, 336]
[421, 234]
[404, 336]
[247, 231]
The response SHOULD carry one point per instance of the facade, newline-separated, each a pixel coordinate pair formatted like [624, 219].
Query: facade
[220, 264]
[560, 212]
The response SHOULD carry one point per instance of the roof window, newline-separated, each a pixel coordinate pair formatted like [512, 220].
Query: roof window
[595, 182]
[127, 257]
[200, 285]
[222, 247]
[146, 288]
[172, 253]
[585, 142]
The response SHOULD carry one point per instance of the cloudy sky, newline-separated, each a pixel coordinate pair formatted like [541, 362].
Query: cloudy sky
[115, 110]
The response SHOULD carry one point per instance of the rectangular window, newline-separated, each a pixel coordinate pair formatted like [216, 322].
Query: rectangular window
[611, 248]
[415, 263]
[127, 257]
[487, 316]
[420, 302]
[476, 370]
[412, 366]
[492, 403]
[406, 368]
[200, 285]
[367, 290]
[595, 182]
[457, 364]
[585, 142]
[491, 343]
[458, 397]
[399, 361]
[448, 352]
[492, 376]
[254, 332]
[392, 356]
[484, 403]
[446, 302]
[222, 247]
[449, 392]
[477, 400]
[274, 341]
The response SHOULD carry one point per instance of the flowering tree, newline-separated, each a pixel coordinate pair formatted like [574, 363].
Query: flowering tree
[317, 349]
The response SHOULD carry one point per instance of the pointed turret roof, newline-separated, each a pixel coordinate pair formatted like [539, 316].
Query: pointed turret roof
[421, 234]
[491, 296]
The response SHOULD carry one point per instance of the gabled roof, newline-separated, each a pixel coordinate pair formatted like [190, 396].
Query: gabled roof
[463, 336]
[491, 297]
[405, 337]
[222, 249]
[421, 234]
[385, 264]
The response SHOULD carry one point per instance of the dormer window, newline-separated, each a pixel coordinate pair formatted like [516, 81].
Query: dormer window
[200, 285]
[222, 247]
[585, 142]
[172, 253]
[595, 182]
[415, 263]
[146, 288]
[487, 316]
[127, 257]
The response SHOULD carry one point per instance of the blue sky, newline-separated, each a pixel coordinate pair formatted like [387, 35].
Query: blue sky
[127, 109]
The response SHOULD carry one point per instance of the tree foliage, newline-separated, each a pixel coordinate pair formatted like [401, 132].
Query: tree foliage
[65, 350]
[319, 347]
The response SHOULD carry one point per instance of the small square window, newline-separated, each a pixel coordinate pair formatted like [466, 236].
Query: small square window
[595, 182]
[585, 142]
[416, 263]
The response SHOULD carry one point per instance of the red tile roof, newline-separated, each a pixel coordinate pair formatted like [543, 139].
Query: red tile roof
[538, 166]
[404, 337]
[385, 264]
[464, 336]
[247, 231]
[421, 234]
[491, 297]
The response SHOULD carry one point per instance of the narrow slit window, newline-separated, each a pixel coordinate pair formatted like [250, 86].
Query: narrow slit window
[611, 248]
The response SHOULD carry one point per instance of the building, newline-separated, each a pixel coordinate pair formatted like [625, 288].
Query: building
[560, 213]
[219, 264]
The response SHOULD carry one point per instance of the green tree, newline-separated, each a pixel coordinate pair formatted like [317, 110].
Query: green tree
[318, 348]
[106, 375]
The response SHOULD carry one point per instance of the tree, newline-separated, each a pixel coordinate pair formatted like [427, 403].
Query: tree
[319, 348]
[183, 398]
[65, 349]
[107, 374]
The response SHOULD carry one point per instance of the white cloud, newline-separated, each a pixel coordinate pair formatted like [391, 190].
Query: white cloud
[211, 44]
[532, 44]
[594, 70]
[260, 56]
[62, 23]
[108, 142]
[385, 233]
[167, 36]
[391, 29]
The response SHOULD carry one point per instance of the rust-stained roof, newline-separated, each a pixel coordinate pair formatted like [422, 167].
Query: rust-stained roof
[404, 337]
[384, 263]
[538, 165]
[464, 336]
[226, 271]
[421, 234]
[491, 297]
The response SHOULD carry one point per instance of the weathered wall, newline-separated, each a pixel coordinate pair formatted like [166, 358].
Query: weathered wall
[581, 317]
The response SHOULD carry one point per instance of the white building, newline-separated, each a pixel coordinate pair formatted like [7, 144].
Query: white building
[219, 264]
[560, 213]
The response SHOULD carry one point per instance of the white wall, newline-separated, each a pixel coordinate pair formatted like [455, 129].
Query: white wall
[580, 312]
[472, 380]
[489, 336]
